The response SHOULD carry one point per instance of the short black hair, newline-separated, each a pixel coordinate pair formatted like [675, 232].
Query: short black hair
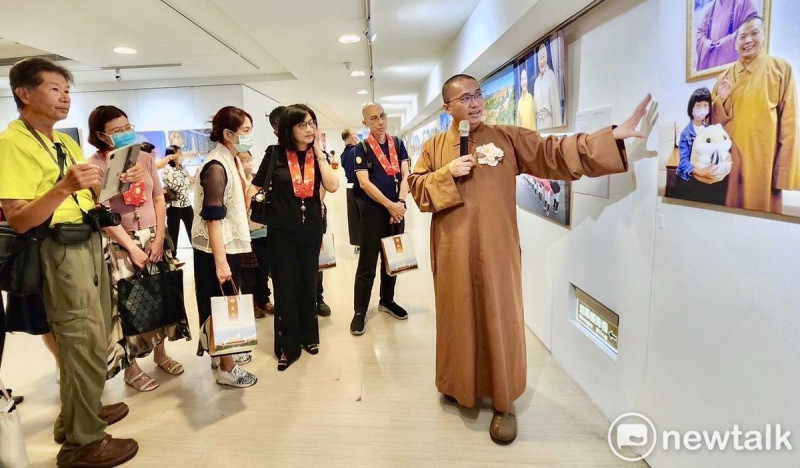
[147, 147]
[451, 81]
[98, 119]
[699, 95]
[291, 116]
[275, 116]
[27, 73]
[346, 133]
[172, 149]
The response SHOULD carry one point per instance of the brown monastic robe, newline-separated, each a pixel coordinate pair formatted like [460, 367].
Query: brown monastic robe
[760, 116]
[475, 251]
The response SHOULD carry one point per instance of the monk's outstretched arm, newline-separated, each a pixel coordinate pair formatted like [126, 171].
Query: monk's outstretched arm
[568, 158]
[433, 190]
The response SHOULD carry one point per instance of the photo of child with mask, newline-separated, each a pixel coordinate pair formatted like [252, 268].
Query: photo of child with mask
[687, 186]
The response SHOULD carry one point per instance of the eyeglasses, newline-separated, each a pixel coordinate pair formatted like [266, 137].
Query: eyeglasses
[467, 98]
[376, 118]
[305, 125]
[128, 128]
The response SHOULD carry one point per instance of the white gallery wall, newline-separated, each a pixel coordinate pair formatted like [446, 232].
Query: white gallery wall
[708, 299]
[163, 109]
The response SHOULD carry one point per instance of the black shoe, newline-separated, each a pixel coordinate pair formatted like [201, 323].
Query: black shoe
[323, 309]
[312, 348]
[284, 363]
[358, 324]
[393, 309]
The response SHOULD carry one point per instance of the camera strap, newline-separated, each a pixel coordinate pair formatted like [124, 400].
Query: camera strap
[60, 161]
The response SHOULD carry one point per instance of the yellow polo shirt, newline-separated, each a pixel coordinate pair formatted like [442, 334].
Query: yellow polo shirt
[27, 172]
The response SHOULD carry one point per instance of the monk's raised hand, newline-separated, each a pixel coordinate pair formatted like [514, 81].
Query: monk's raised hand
[461, 166]
[628, 128]
[724, 88]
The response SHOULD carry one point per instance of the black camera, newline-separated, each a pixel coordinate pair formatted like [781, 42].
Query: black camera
[101, 217]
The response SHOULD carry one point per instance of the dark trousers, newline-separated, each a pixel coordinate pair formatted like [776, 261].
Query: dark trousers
[353, 217]
[695, 190]
[373, 228]
[2, 328]
[255, 281]
[174, 217]
[294, 259]
[206, 282]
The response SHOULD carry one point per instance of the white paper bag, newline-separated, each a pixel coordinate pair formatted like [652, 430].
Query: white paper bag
[232, 327]
[399, 254]
[327, 253]
[12, 443]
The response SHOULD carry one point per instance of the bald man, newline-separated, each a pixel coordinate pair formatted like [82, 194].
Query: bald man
[381, 168]
[475, 250]
[545, 94]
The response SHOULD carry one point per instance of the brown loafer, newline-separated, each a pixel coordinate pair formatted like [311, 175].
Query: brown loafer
[503, 429]
[110, 414]
[104, 453]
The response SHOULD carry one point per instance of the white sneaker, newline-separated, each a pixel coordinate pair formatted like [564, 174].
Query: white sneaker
[237, 377]
[240, 359]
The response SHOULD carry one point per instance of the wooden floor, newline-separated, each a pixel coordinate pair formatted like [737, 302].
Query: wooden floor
[363, 401]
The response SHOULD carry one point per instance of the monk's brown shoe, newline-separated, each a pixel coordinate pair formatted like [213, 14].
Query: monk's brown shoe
[503, 429]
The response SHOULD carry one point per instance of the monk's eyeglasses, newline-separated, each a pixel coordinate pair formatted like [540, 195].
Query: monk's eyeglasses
[467, 98]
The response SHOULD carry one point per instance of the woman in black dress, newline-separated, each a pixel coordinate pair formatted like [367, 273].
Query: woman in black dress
[294, 230]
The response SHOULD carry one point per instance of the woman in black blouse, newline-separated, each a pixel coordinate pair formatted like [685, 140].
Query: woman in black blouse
[294, 230]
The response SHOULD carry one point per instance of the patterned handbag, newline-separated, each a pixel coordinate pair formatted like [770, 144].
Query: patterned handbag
[151, 299]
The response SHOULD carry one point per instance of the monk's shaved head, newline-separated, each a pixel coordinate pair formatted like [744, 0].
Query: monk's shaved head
[451, 82]
[369, 108]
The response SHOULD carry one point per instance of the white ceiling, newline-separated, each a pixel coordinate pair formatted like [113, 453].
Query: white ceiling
[292, 45]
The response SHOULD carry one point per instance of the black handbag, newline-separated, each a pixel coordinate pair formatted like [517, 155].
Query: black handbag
[150, 301]
[259, 205]
[20, 261]
[170, 195]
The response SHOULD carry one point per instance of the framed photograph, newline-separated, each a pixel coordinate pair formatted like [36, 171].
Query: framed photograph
[711, 33]
[540, 85]
[498, 93]
[547, 198]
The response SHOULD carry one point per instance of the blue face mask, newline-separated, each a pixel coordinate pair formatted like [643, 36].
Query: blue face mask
[123, 139]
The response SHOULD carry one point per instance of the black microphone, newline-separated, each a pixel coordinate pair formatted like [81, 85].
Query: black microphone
[463, 131]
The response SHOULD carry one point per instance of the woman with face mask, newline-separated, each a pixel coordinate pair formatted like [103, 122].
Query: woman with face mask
[294, 232]
[135, 244]
[220, 232]
[178, 181]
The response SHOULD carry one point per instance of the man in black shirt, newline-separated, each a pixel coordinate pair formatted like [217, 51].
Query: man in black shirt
[381, 166]
[349, 165]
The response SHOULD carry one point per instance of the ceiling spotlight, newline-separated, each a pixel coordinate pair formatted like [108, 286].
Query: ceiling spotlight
[124, 50]
[357, 73]
[363, 91]
[349, 38]
[370, 33]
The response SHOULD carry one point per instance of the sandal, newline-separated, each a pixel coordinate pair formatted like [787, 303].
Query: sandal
[312, 348]
[171, 366]
[148, 383]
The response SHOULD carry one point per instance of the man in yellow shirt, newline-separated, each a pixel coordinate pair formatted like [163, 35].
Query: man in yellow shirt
[756, 101]
[43, 179]
[526, 114]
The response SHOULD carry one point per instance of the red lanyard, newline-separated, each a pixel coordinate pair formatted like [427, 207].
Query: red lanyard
[303, 184]
[391, 166]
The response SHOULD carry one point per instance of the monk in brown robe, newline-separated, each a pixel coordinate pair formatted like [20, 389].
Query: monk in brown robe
[475, 251]
[756, 101]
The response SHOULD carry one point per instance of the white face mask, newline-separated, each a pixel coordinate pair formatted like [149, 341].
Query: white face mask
[245, 143]
[700, 114]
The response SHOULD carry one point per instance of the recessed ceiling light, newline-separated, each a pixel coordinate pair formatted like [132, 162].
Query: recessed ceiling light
[124, 50]
[357, 73]
[349, 38]
[363, 91]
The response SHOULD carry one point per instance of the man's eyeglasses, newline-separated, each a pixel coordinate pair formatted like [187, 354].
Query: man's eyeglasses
[305, 125]
[128, 128]
[467, 98]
